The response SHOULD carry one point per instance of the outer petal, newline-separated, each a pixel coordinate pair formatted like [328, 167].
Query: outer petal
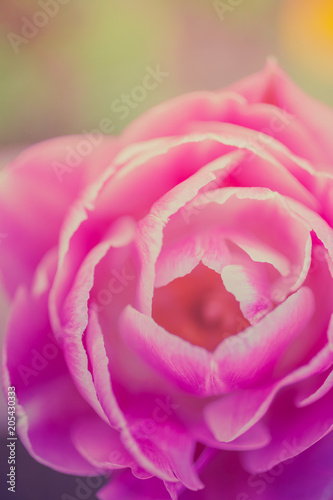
[34, 201]
[48, 402]
[167, 450]
[74, 315]
[249, 359]
[228, 106]
[273, 86]
[305, 477]
[300, 427]
[125, 486]
[53, 416]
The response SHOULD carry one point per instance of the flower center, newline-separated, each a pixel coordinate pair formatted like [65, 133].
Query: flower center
[198, 308]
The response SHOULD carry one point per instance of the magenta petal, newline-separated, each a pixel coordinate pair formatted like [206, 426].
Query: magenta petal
[101, 445]
[183, 362]
[34, 200]
[299, 428]
[171, 118]
[307, 476]
[48, 401]
[273, 86]
[243, 408]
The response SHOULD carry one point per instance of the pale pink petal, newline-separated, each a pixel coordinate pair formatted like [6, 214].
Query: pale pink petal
[185, 363]
[239, 214]
[257, 436]
[250, 287]
[273, 86]
[48, 401]
[269, 163]
[305, 477]
[74, 315]
[148, 450]
[180, 257]
[115, 194]
[250, 357]
[248, 103]
[324, 388]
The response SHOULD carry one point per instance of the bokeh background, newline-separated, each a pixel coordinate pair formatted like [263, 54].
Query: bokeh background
[65, 65]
